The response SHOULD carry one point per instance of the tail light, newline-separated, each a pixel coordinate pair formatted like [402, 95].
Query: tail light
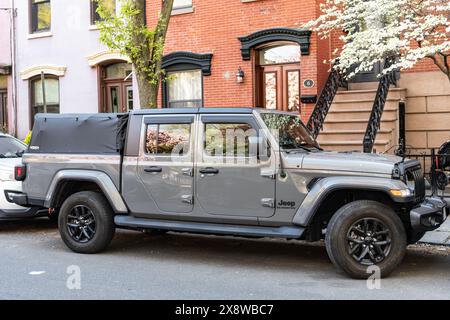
[20, 173]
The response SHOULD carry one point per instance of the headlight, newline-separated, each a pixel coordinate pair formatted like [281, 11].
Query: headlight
[401, 192]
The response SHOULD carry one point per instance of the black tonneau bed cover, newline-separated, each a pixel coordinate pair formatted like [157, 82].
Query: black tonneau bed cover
[101, 133]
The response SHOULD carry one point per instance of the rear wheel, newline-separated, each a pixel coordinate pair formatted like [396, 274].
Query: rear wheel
[86, 222]
[365, 233]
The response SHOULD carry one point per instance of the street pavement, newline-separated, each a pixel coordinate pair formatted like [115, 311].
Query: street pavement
[35, 264]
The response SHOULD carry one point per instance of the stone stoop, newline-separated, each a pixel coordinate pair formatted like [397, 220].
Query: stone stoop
[348, 116]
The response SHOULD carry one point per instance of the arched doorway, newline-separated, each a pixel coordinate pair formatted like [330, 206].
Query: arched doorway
[116, 87]
[277, 75]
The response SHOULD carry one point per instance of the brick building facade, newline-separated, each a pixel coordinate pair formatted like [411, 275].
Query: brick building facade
[224, 37]
[219, 53]
[211, 27]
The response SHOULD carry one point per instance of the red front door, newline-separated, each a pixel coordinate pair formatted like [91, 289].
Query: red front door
[281, 87]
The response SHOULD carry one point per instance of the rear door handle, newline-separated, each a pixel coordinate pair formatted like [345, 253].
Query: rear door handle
[153, 169]
[209, 171]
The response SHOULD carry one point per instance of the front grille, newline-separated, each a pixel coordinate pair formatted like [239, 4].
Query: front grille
[419, 183]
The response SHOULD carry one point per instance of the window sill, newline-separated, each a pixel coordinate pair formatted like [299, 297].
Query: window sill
[39, 35]
[93, 27]
[180, 11]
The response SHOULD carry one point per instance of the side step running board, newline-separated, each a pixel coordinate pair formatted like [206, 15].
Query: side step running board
[209, 228]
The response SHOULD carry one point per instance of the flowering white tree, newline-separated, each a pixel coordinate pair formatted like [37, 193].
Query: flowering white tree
[373, 30]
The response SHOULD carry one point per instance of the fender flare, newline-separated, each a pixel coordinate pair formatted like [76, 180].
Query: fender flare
[100, 178]
[323, 187]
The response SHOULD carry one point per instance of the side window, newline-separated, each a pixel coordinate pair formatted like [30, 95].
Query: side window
[51, 89]
[41, 15]
[228, 139]
[109, 5]
[185, 89]
[168, 139]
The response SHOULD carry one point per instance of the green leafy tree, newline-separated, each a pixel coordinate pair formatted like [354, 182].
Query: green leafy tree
[127, 32]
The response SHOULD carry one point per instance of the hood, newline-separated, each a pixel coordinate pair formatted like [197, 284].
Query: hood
[343, 161]
[7, 168]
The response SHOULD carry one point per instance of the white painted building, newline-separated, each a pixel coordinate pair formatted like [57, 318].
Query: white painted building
[58, 40]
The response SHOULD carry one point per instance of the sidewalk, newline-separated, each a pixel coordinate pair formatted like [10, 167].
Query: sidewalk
[439, 236]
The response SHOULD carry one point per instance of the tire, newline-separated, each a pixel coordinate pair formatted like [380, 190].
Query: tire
[348, 222]
[93, 212]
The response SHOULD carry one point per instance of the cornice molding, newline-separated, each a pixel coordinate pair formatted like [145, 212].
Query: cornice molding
[105, 56]
[300, 36]
[201, 60]
[36, 70]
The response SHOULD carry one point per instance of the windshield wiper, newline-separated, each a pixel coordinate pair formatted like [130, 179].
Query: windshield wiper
[298, 148]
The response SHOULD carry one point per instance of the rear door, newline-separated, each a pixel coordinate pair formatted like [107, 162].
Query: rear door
[165, 164]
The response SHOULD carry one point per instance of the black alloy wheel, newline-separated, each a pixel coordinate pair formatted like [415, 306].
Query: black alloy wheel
[369, 241]
[81, 224]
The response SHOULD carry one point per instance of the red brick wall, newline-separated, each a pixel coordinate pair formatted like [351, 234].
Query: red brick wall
[421, 66]
[215, 26]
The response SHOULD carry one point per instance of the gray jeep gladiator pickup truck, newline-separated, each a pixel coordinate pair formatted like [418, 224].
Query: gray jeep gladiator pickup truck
[227, 171]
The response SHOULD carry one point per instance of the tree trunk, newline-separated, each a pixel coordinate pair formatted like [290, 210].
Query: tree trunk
[148, 88]
[148, 93]
[442, 62]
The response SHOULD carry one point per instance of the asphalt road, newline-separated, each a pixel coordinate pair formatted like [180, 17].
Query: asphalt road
[34, 264]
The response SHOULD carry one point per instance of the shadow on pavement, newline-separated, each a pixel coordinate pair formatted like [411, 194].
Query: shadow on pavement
[32, 225]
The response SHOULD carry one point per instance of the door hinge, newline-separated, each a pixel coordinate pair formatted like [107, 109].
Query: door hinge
[187, 198]
[268, 202]
[269, 176]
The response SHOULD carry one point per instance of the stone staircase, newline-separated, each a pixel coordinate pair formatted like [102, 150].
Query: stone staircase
[348, 116]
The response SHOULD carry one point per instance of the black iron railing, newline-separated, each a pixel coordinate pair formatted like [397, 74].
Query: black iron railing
[317, 118]
[432, 162]
[374, 123]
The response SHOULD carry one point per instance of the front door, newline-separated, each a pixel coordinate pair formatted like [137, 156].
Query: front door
[281, 87]
[368, 76]
[116, 88]
[229, 179]
[165, 165]
[277, 72]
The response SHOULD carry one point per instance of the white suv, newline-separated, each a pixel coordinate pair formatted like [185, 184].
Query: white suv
[11, 150]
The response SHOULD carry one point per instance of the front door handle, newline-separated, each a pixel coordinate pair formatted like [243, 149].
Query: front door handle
[209, 171]
[153, 169]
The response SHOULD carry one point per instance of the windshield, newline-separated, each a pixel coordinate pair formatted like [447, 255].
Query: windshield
[11, 148]
[292, 133]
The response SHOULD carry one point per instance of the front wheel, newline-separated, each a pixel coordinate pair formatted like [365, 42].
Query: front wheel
[363, 234]
[86, 222]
